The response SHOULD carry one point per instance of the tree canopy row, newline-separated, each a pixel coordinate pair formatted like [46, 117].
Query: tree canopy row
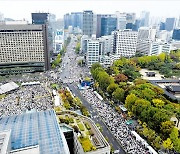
[121, 83]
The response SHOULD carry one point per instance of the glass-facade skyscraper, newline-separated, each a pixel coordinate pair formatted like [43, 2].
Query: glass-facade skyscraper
[77, 19]
[162, 26]
[108, 24]
[176, 34]
[39, 18]
[144, 19]
[88, 26]
[170, 23]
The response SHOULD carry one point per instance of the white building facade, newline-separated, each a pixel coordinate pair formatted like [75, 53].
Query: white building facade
[144, 47]
[93, 50]
[159, 47]
[146, 33]
[124, 43]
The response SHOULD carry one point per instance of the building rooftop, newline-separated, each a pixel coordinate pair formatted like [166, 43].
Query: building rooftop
[170, 87]
[86, 126]
[20, 27]
[37, 128]
[173, 88]
[4, 140]
[65, 128]
[8, 87]
[29, 150]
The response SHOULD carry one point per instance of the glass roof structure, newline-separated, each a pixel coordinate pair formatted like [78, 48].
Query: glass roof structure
[37, 128]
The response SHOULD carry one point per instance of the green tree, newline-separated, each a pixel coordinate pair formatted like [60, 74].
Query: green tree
[104, 80]
[159, 117]
[67, 105]
[166, 128]
[95, 65]
[176, 141]
[53, 66]
[157, 142]
[174, 134]
[118, 63]
[167, 144]
[118, 95]
[130, 100]
[139, 81]
[80, 62]
[120, 78]
[162, 57]
[148, 94]
[139, 106]
[111, 88]
[177, 66]
[158, 103]
[78, 46]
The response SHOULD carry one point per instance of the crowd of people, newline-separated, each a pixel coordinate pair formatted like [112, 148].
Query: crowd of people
[116, 123]
[26, 98]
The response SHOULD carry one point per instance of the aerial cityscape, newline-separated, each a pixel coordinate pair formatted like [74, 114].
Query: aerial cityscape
[89, 79]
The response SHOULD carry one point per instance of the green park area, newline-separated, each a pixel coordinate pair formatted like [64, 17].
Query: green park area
[82, 127]
[146, 102]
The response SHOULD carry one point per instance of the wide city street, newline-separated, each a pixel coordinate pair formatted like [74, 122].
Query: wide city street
[70, 73]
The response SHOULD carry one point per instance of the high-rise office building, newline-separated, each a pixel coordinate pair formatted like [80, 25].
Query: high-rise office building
[125, 20]
[163, 35]
[121, 21]
[74, 19]
[143, 47]
[108, 24]
[39, 18]
[124, 43]
[77, 19]
[170, 24]
[107, 44]
[93, 52]
[130, 20]
[1, 17]
[67, 21]
[162, 26]
[176, 34]
[146, 36]
[146, 33]
[98, 28]
[136, 25]
[46, 19]
[178, 23]
[84, 42]
[24, 48]
[88, 23]
[144, 19]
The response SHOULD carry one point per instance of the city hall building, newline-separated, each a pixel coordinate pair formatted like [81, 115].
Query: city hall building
[23, 48]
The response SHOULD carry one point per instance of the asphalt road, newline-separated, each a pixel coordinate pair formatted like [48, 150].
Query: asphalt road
[72, 70]
[106, 132]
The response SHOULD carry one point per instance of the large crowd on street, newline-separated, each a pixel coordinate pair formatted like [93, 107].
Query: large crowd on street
[116, 123]
[25, 98]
